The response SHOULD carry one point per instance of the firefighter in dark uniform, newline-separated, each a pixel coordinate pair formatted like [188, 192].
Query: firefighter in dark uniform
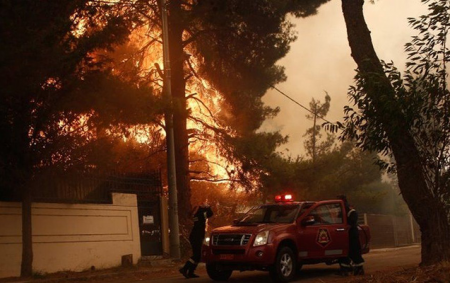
[354, 262]
[200, 215]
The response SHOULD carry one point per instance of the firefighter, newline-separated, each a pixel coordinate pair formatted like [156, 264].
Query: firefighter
[200, 214]
[354, 262]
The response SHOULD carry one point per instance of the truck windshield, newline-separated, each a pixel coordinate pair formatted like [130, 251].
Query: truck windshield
[270, 214]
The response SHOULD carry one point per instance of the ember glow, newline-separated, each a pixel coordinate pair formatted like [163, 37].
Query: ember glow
[203, 103]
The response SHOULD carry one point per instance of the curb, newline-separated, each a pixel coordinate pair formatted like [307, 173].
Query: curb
[394, 249]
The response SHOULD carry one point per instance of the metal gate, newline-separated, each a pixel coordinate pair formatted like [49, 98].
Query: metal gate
[150, 227]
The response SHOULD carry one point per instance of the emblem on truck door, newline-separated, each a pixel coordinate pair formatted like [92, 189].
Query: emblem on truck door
[323, 237]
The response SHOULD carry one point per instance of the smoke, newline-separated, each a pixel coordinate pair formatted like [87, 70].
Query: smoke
[320, 61]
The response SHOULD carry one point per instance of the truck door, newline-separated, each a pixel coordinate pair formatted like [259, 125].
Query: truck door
[327, 236]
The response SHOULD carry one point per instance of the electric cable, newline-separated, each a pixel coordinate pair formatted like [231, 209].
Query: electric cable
[299, 104]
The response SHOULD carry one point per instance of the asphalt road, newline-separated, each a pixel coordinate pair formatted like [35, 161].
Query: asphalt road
[376, 261]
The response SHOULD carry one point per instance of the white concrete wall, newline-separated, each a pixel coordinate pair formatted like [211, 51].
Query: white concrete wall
[71, 236]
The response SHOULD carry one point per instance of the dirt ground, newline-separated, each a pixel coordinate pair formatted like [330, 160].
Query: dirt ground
[118, 274]
[430, 274]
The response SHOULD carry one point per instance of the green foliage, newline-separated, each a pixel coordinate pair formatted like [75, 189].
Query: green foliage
[421, 94]
[344, 170]
[420, 102]
[313, 144]
[407, 116]
[427, 89]
[359, 124]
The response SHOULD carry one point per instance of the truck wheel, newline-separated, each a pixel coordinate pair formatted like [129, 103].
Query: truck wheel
[216, 274]
[285, 265]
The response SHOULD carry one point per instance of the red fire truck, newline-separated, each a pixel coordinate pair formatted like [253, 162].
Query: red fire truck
[280, 237]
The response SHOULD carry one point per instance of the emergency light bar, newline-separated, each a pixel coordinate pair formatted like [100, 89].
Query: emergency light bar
[280, 198]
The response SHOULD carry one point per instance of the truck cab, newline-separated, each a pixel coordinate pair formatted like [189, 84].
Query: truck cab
[280, 237]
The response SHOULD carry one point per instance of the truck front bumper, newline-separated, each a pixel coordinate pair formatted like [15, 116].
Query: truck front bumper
[240, 258]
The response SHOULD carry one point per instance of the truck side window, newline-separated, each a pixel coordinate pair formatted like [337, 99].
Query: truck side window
[304, 208]
[335, 210]
[328, 214]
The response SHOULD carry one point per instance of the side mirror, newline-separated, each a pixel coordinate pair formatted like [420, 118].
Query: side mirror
[308, 220]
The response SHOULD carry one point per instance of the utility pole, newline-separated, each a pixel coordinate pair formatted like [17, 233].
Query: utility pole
[314, 136]
[171, 169]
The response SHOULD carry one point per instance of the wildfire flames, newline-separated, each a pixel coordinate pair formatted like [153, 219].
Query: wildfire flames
[203, 103]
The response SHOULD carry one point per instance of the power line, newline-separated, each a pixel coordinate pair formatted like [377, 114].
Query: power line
[296, 102]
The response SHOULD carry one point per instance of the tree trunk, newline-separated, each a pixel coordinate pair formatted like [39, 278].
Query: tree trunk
[426, 209]
[314, 140]
[26, 269]
[435, 236]
[21, 169]
[180, 113]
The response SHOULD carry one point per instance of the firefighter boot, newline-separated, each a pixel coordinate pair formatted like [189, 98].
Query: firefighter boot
[344, 270]
[190, 272]
[185, 269]
[359, 270]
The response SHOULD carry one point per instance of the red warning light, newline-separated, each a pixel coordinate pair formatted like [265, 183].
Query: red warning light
[279, 198]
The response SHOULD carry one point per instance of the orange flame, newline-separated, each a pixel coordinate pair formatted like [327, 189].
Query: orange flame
[204, 102]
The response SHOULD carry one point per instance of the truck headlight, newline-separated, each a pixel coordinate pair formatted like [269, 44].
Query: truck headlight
[261, 239]
[206, 241]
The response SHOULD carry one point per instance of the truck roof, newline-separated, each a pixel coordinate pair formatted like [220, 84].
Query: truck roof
[289, 202]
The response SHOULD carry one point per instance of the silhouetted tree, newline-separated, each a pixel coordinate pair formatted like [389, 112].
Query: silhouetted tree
[313, 145]
[408, 117]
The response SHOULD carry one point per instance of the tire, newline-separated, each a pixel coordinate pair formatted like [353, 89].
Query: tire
[217, 274]
[285, 266]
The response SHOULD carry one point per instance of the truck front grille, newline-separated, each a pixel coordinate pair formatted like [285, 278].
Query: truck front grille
[228, 251]
[230, 239]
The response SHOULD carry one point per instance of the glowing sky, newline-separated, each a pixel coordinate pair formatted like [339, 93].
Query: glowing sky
[320, 61]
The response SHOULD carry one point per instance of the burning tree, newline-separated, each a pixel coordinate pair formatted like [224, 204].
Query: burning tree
[230, 47]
